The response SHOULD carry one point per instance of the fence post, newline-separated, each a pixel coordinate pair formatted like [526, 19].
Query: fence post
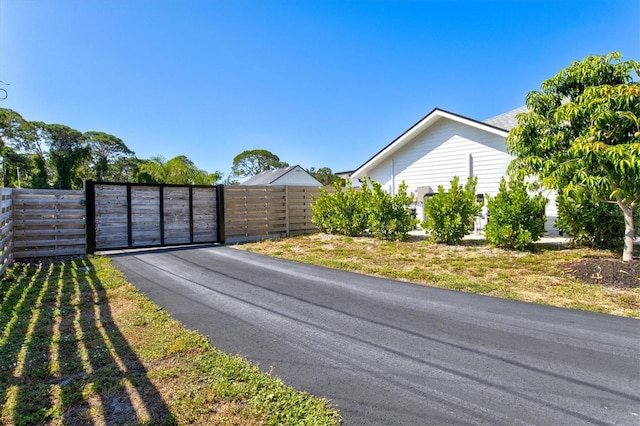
[286, 210]
[129, 219]
[220, 213]
[90, 215]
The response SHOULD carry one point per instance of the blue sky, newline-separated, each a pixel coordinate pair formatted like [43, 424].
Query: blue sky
[319, 83]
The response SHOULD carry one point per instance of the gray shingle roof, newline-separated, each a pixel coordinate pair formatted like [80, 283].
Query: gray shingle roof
[507, 120]
[268, 177]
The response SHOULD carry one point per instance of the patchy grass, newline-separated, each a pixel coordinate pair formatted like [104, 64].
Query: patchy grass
[537, 277]
[79, 345]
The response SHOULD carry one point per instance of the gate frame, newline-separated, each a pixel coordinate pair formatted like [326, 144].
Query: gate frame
[90, 196]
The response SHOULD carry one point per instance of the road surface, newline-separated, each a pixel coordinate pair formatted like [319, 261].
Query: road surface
[391, 353]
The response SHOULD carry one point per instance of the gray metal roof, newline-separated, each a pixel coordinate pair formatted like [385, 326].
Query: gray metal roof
[507, 120]
[269, 176]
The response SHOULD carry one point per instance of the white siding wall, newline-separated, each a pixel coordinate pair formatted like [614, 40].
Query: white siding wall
[443, 152]
[551, 212]
[297, 177]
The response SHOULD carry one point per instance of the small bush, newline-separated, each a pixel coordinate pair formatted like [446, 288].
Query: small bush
[592, 223]
[343, 212]
[390, 217]
[450, 215]
[516, 219]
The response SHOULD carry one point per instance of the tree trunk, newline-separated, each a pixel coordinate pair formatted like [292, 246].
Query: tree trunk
[627, 253]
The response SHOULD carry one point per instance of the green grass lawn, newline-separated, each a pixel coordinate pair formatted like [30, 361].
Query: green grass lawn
[79, 345]
[473, 266]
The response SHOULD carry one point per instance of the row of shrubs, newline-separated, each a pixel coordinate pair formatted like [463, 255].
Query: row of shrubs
[364, 211]
[516, 217]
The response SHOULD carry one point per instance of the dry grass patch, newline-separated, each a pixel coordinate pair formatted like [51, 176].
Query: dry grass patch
[473, 266]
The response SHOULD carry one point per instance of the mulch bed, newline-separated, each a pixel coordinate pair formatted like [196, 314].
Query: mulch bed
[604, 271]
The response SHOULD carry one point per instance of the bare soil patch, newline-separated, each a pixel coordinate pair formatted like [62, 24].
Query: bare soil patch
[605, 271]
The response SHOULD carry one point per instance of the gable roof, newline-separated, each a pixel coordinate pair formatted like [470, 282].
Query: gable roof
[270, 176]
[507, 120]
[427, 121]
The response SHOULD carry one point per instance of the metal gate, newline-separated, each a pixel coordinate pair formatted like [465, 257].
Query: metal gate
[134, 215]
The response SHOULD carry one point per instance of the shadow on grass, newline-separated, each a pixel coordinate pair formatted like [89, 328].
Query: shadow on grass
[62, 356]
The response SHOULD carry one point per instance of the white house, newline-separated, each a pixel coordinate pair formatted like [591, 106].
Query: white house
[292, 175]
[443, 145]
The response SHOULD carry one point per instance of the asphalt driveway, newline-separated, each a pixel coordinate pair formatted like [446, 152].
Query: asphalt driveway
[391, 353]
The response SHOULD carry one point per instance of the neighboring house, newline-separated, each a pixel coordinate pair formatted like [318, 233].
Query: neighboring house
[355, 183]
[292, 175]
[443, 145]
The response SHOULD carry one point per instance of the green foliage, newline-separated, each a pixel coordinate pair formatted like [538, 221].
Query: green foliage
[516, 218]
[344, 212]
[255, 161]
[53, 155]
[15, 167]
[449, 215]
[389, 216]
[12, 127]
[105, 150]
[592, 223]
[39, 176]
[364, 211]
[325, 176]
[581, 135]
[66, 151]
[178, 170]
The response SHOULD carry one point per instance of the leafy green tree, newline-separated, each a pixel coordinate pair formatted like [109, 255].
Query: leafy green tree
[325, 176]
[16, 136]
[450, 215]
[16, 168]
[581, 135]
[67, 152]
[516, 218]
[178, 170]
[124, 169]
[12, 127]
[255, 161]
[34, 140]
[105, 150]
[39, 177]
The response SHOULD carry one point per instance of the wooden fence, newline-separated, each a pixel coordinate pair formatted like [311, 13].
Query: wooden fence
[43, 223]
[125, 215]
[48, 223]
[259, 212]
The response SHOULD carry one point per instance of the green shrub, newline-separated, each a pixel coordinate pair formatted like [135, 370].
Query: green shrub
[449, 216]
[390, 216]
[362, 211]
[343, 212]
[516, 219]
[592, 223]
